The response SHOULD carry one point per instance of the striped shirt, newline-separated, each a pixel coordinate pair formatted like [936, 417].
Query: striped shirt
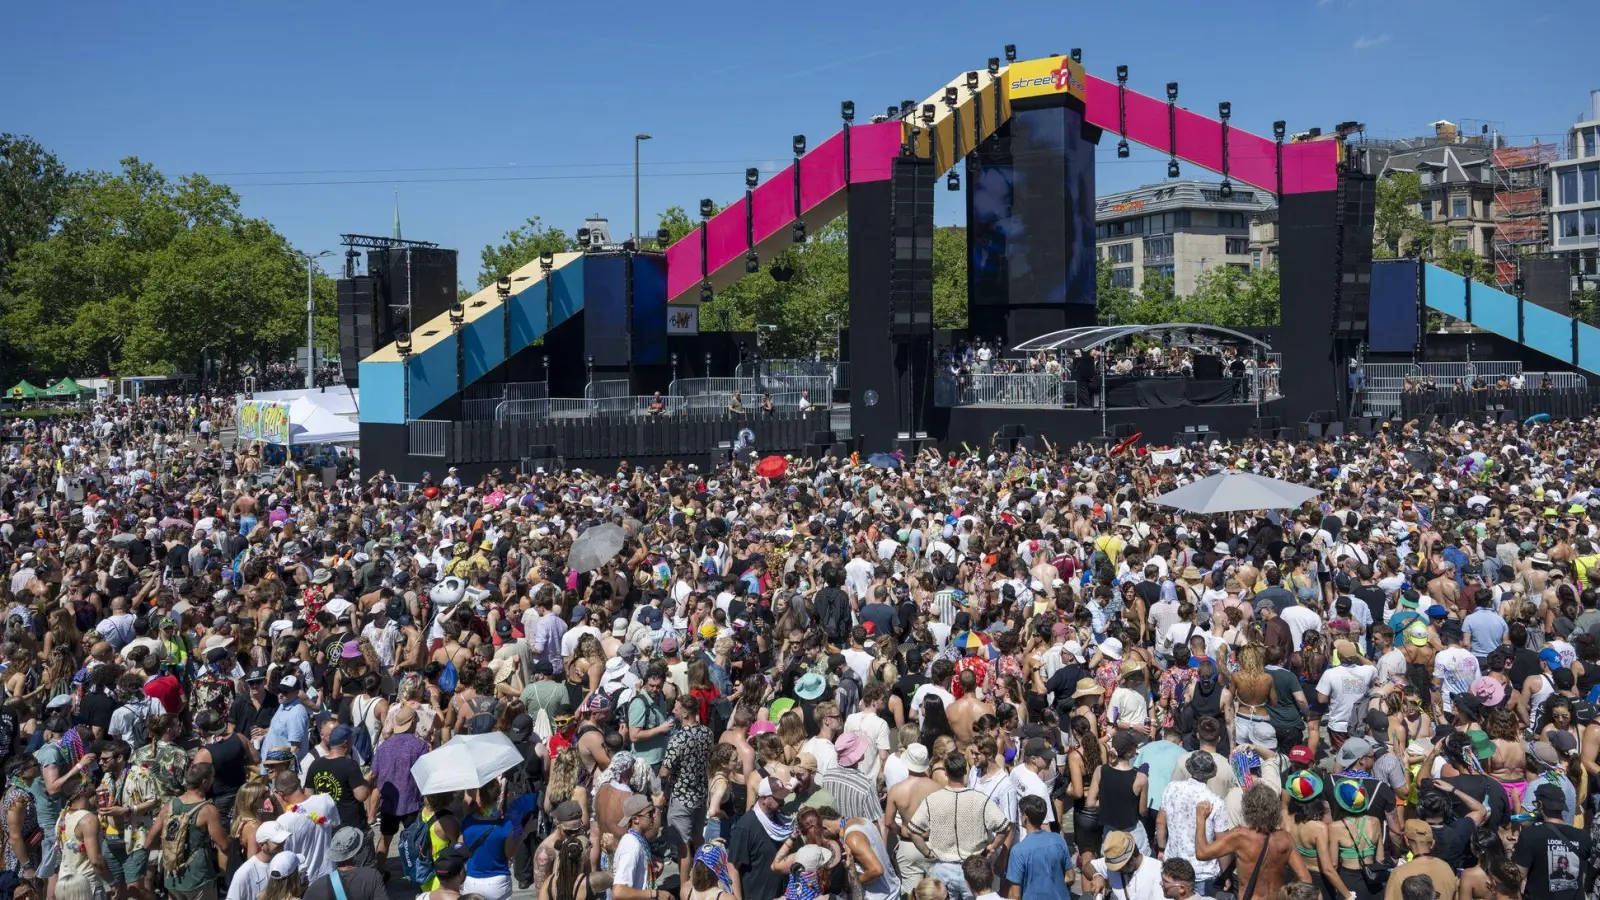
[855, 795]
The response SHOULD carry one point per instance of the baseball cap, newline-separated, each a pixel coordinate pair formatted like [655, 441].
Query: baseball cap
[288, 684]
[339, 735]
[1301, 755]
[272, 831]
[1551, 798]
[1421, 831]
[283, 864]
[633, 806]
[1353, 750]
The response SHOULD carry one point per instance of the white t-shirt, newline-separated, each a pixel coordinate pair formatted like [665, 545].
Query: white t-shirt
[930, 689]
[1301, 620]
[1344, 686]
[307, 838]
[827, 757]
[1456, 668]
[876, 731]
[250, 880]
[860, 662]
[630, 865]
[1392, 665]
[1030, 784]
[894, 771]
[1143, 883]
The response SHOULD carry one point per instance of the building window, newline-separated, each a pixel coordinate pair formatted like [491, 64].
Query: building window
[1588, 141]
[1255, 259]
[1590, 176]
[1122, 278]
[1121, 253]
[1568, 182]
[1458, 207]
[1181, 219]
[1591, 222]
[1236, 246]
[1567, 225]
[1243, 267]
[1427, 210]
[1232, 220]
[1157, 247]
[1458, 242]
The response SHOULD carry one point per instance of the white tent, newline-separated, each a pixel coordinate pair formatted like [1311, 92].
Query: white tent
[311, 424]
[339, 399]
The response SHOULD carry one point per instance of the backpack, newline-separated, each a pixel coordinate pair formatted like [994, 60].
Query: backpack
[416, 850]
[141, 713]
[448, 679]
[482, 715]
[361, 741]
[175, 839]
[619, 714]
[1101, 559]
[213, 691]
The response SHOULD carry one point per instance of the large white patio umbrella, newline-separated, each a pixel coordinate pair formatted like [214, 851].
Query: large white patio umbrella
[1235, 492]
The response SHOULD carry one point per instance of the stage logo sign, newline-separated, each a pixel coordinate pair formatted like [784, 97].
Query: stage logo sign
[683, 320]
[1053, 76]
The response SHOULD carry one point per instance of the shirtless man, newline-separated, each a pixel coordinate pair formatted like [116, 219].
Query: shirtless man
[966, 711]
[901, 803]
[1443, 590]
[1263, 819]
[736, 737]
[593, 754]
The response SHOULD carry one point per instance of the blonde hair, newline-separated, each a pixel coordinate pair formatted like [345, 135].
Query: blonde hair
[926, 889]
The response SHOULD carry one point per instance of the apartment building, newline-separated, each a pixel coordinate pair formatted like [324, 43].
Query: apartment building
[1176, 229]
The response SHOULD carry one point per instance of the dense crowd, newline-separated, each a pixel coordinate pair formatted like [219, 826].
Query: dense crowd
[966, 676]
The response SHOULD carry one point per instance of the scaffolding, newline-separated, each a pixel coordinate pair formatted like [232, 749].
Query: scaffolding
[1521, 205]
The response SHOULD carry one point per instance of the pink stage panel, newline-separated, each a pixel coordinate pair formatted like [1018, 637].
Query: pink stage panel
[1252, 158]
[683, 265]
[822, 171]
[873, 149]
[725, 236]
[774, 203]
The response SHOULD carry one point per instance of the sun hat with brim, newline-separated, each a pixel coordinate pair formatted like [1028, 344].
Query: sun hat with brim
[1303, 786]
[915, 758]
[1117, 848]
[1351, 795]
[1482, 744]
[813, 858]
[810, 686]
[1111, 647]
[1087, 687]
[762, 726]
[346, 844]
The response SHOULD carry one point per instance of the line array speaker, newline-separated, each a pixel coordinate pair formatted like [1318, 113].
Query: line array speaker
[357, 324]
[1548, 283]
[1355, 236]
[911, 276]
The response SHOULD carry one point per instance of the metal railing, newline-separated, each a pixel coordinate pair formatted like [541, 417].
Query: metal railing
[1383, 385]
[616, 387]
[1559, 381]
[640, 406]
[505, 390]
[689, 387]
[480, 408]
[1000, 390]
[427, 437]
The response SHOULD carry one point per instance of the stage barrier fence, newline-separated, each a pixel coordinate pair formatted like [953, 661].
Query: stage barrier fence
[428, 437]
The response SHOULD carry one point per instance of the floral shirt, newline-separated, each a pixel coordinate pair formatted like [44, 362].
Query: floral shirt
[30, 827]
[167, 763]
[1174, 682]
[137, 786]
[688, 751]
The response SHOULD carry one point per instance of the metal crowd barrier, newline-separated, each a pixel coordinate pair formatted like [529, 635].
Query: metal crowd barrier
[689, 387]
[427, 437]
[979, 389]
[618, 387]
[1559, 381]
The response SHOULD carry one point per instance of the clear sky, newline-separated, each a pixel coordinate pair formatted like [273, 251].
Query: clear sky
[484, 113]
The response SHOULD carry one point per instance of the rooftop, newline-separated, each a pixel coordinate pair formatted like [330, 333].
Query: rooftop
[1180, 195]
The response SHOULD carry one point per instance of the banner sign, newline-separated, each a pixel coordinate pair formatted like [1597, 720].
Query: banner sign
[683, 320]
[263, 421]
[1053, 76]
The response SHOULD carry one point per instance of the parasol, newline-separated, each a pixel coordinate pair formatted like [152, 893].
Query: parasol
[1125, 443]
[1537, 419]
[465, 762]
[494, 500]
[595, 547]
[970, 640]
[772, 467]
[1235, 492]
[430, 492]
[883, 461]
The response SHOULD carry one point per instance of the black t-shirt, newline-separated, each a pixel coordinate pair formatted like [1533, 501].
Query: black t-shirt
[246, 717]
[1485, 790]
[1149, 592]
[339, 778]
[1554, 855]
[178, 558]
[1063, 684]
[95, 710]
[359, 883]
[1524, 663]
[1450, 841]
[752, 852]
[1373, 597]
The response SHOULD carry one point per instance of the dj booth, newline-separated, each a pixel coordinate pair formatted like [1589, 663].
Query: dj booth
[1147, 392]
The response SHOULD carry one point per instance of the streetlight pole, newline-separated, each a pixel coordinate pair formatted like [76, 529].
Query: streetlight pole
[311, 309]
[637, 140]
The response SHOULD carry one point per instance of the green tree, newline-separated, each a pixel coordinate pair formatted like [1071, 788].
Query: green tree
[145, 275]
[32, 185]
[1395, 214]
[675, 219]
[1463, 261]
[950, 277]
[1232, 298]
[521, 245]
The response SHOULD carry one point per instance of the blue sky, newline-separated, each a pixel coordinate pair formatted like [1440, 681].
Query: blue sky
[484, 113]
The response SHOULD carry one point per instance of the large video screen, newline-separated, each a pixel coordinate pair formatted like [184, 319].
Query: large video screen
[1030, 208]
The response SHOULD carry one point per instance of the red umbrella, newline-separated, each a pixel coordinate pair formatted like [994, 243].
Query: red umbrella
[772, 467]
[1126, 442]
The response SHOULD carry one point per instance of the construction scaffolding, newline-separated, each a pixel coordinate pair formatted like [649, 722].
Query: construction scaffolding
[1521, 205]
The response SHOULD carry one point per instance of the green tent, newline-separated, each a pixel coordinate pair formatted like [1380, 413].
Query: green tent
[22, 390]
[66, 387]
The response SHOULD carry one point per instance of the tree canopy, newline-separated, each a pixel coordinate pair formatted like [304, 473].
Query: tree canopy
[520, 246]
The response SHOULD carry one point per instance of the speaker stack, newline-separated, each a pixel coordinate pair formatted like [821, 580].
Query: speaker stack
[357, 324]
[911, 277]
[1359, 197]
[822, 444]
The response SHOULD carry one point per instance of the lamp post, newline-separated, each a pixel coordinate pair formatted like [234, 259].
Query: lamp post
[311, 309]
[637, 140]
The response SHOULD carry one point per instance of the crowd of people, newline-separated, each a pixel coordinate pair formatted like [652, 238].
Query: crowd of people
[967, 676]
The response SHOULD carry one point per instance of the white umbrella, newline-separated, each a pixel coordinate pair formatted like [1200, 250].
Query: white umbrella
[465, 762]
[1234, 492]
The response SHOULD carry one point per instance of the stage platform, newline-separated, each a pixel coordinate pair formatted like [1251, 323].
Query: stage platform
[977, 425]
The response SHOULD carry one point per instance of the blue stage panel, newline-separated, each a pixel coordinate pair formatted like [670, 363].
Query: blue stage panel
[433, 377]
[383, 392]
[485, 343]
[1392, 322]
[1446, 291]
[649, 310]
[1494, 311]
[569, 291]
[527, 315]
[1544, 330]
[1588, 347]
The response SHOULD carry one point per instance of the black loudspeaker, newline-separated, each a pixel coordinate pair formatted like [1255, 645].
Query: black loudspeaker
[1123, 430]
[1358, 196]
[911, 276]
[1548, 283]
[1208, 366]
[1012, 431]
[821, 437]
[721, 456]
[839, 449]
[1025, 442]
[358, 330]
[415, 284]
[1365, 424]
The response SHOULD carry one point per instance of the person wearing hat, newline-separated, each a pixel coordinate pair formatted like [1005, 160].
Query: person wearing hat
[252, 876]
[754, 842]
[1122, 871]
[1554, 854]
[291, 722]
[1451, 832]
[358, 879]
[1419, 840]
[854, 794]
[1036, 760]
[1343, 686]
[230, 754]
[1175, 822]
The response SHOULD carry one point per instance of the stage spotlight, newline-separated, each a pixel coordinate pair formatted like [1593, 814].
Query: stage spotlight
[1518, 286]
[663, 237]
[951, 95]
[1122, 149]
[1122, 74]
[630, 245]
[908, 107]
[547, 260]
[583, 237]
[502, 285]
[847, 110]
[707, 208]
[952, 181]
[402, 344]
[799, 145]
[1011, 53]
[1224, 110]
[458, 314]
[994, 65]
[1279, 129]
[752, 262]
[1172, 169]
[799, 232]
[752, 177]
[1226, 191]
[928, 112]
[972, 81]
[1172, 92]
[705, 293]
[1077, 54]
